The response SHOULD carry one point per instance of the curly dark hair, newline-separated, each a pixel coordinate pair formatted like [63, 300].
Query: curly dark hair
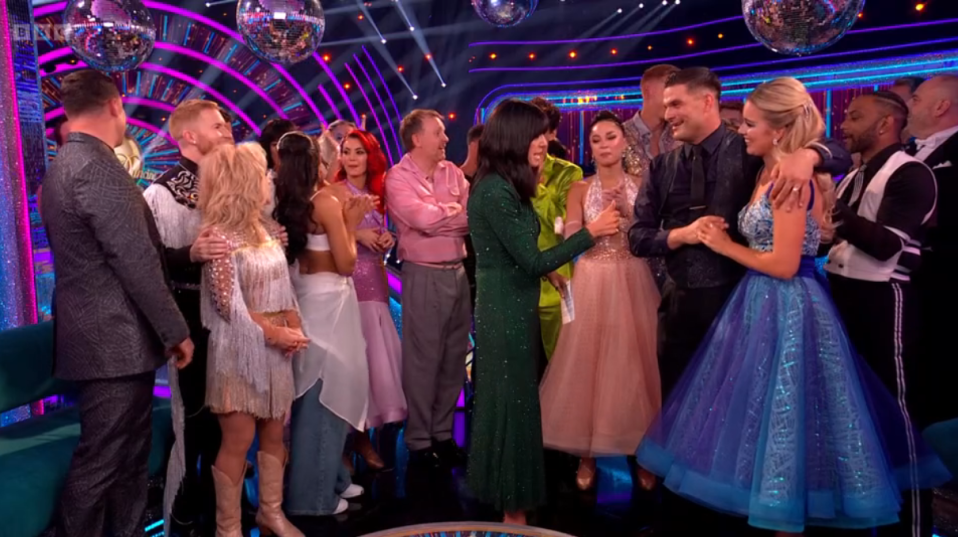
[295, 184]
[504, 146]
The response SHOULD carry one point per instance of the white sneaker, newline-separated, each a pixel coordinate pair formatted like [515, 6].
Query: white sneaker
[352, 491]
[342, 507]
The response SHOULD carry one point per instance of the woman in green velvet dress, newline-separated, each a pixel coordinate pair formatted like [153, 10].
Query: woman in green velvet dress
[506, 466]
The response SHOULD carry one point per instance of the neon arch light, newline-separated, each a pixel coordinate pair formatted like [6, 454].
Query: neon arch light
[359, 85]
[66, 51]
[132, 99]
[159, 6]
[381, 105]
[182, 77]
[388, 92]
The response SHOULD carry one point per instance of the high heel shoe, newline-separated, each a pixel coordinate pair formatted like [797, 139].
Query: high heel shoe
[365, 449]
[585, 476]
[228, 515]
[647, 479]
[270, 517]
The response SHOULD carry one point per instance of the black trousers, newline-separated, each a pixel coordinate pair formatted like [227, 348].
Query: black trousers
[105, 488]
[883, 323]
[201, 441]
[685, 316]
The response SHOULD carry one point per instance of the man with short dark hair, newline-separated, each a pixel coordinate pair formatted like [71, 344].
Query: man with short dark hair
[198, 126]
[427, 202]
[705, 181]
[116, 318]
[269, 138]
[881, 213]
[471, 165]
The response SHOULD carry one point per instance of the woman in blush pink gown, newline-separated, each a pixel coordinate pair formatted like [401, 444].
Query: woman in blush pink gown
[363, 170]
[601, 390]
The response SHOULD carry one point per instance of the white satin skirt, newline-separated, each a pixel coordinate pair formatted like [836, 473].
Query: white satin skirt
[337, 349]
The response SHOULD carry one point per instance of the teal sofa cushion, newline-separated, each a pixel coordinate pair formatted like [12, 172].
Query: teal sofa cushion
[26, 366]
[943, 438]
[35, 457]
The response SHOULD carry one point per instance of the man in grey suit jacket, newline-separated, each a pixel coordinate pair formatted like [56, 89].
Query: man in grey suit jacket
[116, 319]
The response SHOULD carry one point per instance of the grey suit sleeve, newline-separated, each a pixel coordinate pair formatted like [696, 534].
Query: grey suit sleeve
[113, 207]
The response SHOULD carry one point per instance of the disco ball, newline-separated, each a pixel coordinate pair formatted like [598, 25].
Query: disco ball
[800, 27]
[281, 31]
[504, 13]
[109, 35]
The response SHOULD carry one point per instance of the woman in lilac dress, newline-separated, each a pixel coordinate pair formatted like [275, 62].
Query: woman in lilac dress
[363, 172]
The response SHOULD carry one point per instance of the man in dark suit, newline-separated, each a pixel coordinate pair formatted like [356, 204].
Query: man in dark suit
[116, 318]
[933, 120]
[705, 181]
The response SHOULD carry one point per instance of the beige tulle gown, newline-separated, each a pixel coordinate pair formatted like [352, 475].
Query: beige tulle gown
[601, 390]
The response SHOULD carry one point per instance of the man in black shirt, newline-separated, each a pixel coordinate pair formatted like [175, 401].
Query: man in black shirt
[881, 212]
[706, 181]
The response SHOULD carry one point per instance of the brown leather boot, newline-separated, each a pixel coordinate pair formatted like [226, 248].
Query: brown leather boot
[228, 494]
[270, 517]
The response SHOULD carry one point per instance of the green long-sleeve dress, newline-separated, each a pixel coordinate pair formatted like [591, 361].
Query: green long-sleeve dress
[506, 467]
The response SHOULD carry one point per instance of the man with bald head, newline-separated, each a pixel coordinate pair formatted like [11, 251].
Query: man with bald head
[933, 119]
[881, 213]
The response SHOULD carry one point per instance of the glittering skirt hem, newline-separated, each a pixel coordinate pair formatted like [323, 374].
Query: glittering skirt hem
[228, 395]
[778, 419]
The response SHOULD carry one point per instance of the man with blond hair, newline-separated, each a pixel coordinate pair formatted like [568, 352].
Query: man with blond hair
[198, 126]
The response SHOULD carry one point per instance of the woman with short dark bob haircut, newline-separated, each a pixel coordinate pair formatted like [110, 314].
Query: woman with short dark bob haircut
[506, 466]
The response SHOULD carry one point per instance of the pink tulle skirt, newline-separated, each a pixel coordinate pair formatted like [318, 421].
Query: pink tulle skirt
[387, 402]
[601, 390]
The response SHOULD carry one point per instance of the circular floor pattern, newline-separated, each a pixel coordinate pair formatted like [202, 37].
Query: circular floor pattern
[467, 529]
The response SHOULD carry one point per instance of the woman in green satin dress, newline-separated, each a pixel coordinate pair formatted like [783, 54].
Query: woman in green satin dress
[506, 467]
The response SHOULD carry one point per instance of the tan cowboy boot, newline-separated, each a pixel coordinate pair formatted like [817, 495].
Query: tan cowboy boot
[228, 495]
[270, 517]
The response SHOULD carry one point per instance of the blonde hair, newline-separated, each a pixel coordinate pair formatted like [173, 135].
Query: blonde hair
[186, 112]
[786, 104]
[231, 195]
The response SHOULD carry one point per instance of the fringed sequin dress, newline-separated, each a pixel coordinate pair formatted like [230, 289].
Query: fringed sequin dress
[387, 402]
[244, 374]
[778, 419]
[602, 390]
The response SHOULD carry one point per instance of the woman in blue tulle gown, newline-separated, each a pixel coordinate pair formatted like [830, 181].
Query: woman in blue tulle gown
[776, 418]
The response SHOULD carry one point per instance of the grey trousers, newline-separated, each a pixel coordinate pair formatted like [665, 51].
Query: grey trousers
[105, 488]
[436, 318]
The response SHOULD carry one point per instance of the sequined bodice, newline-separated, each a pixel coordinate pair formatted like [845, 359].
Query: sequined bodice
[755, 223]
[614, 246]
[373, 220]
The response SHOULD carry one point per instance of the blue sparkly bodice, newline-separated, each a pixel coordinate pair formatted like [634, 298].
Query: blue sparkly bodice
[755, 223]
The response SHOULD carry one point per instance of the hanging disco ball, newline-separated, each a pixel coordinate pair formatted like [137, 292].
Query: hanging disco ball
[281, 31]
[109, 35]
[800, 27]
[504, 13]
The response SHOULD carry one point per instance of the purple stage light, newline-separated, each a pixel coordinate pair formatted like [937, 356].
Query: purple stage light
[730, 67]
[159, 6]
[342, 90]
[139, 101]
[696, 54]
[608, 38]
[372, 110]
[183, 77]
[177, 49]
[382, 107]
[388, 92]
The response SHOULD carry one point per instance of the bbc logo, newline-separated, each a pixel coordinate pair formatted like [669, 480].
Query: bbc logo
[54, 32]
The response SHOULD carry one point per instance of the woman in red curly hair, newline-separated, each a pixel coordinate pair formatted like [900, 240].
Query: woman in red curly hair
[363, 172]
